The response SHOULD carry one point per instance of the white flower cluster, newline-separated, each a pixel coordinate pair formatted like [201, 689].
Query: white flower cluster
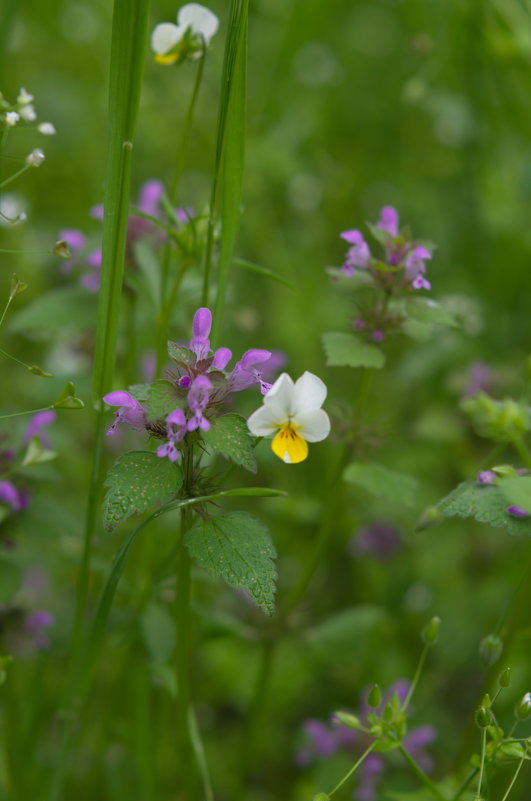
[23, 110]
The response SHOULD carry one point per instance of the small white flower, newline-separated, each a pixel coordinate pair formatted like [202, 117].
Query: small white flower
[200, 21]
[46, 128]
[12, 118]
[35, 158]
[292, 412]
[28, 113]
[24, 98]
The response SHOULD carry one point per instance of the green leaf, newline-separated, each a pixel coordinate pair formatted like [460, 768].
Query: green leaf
[35, 453]
[180, 354]
[67, 307]
[139, 391]
[382, 482]
[429, 311]
[265, 271]
[230, 436]
[418, 330]
[335, 638]
[67, 398]
[10, 580]
[516, 491]
[148, 262]
[136, 482]
[236, 547]
[158, 631]
[348, 350]
[162, 399]
[486, 503]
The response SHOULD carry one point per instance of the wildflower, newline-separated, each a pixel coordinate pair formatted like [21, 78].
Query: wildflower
[479, 379]
[130, 411]
[196, 25]
[46, 128]
[24, 632]
[292, 412]
[28, 113]
[24, 98]
[176, 429]
[36, 425]
[11, 118]
[380, 540]
[13, 497]
[388, 220]
[486, 477]
[358, 255]
[245, 372]
[517, 511]
[198, 401]
[415, 268]
[35, 158]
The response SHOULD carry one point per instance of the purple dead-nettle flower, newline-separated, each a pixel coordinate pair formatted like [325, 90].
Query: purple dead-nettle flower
[91, 279]
[198, 397]
[200, 343]
[517, 511]
[11, 496]
[358, 255]
[36, 425]
[176, 429]
[415, 268]
[130, 411]
[221, 358]
[245, 372]
[486, 477]
[388, 220]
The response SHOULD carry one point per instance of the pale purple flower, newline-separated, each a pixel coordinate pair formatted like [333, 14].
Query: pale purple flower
[245, 372]
[479, 379]
[517, 511]
[185, 214]
[35, 624]
[76, 240]
[91, 280]
[415, 268]
[379, 539]
[486, 477]
[369, 776]
[23, 632]
[198, 396]
[13, 497]
[148, 365]
[359, 324]
[131, 412]
[378, 336]
[415, 742]
[200, 343]
[221, 358]
[35, 427]
[358, 255]
[388, 220]
[175, 429]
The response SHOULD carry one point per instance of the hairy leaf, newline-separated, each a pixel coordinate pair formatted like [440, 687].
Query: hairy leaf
[137, 481]
[236, 547]
[486, 503]
[230, 436]
[162, 398]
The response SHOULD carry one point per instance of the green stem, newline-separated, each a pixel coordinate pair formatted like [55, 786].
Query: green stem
[364, 389]
[518, 769]
[482, 765]
[6, 307]
[15, 175]
[416, 677]
[21, 414]
[417, 770]
[353, 768]
[200, 756]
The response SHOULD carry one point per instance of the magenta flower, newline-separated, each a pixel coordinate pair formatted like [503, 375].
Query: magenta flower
[517, 511]
[131, 412]
[176, 429]
[245, 372]
[200, 343]
[198, 396]
[35, 427]
[486, 477]
[358, 255]
[13, 497]
[415, 268]
[388, 220]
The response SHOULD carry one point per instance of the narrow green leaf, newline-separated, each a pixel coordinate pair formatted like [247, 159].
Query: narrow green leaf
[147, 260]
[259, 270]
[158, 632]
[230, 436]
[486, 503]
[236, 547]
[382, 482]
[348, 350]
[136, 482]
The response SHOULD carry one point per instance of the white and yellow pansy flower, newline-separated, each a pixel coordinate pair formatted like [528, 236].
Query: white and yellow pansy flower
[292, 415]
[167, 37]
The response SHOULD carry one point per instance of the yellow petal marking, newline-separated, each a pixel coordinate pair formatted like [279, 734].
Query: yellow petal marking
[290, 446]
[170, 58]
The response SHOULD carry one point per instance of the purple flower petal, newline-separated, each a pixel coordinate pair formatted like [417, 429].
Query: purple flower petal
[36, 424]
[76, 240]
[388, 220]
[150, 196]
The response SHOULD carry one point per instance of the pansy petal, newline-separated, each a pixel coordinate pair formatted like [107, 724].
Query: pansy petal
[165, 36]
[280, 398]
[263, 422]
[200, 19]
[309, 393]
[313, 425]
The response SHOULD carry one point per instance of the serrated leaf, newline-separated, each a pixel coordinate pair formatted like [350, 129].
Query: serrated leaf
[137, 481]
[348, 350]
[382, 482]
[158, 631]
[10, 579]
[237, 548]
[486, 504]
[67, 307]
[229, 435]
[162, 398]
[180, 354]
[516, 491]
[429, 311]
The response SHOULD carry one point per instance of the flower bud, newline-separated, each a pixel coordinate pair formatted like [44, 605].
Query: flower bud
[490, 649]
[430, 517]
[62, 250]
[483, 717]
[389, 713]
[504, 679]
[430, 633]
[46, 128]
[486, 702]
[35, 158]
[348, 720]
[522, 709]
[504, 471]
[374, 699]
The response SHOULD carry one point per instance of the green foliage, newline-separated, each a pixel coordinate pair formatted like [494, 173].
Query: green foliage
[382, 482]
[335, 638]
[147, 260]
[486, 503]
[516, 491]
[264, 271]
[158, 632]
[136, 482]
[66, 307]
[10, 580]
[180, 354]
[236, 548]
[162, 399]
[429, 311]
[348, 350]
[67, 398]
[230, 436]
[502, 421]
